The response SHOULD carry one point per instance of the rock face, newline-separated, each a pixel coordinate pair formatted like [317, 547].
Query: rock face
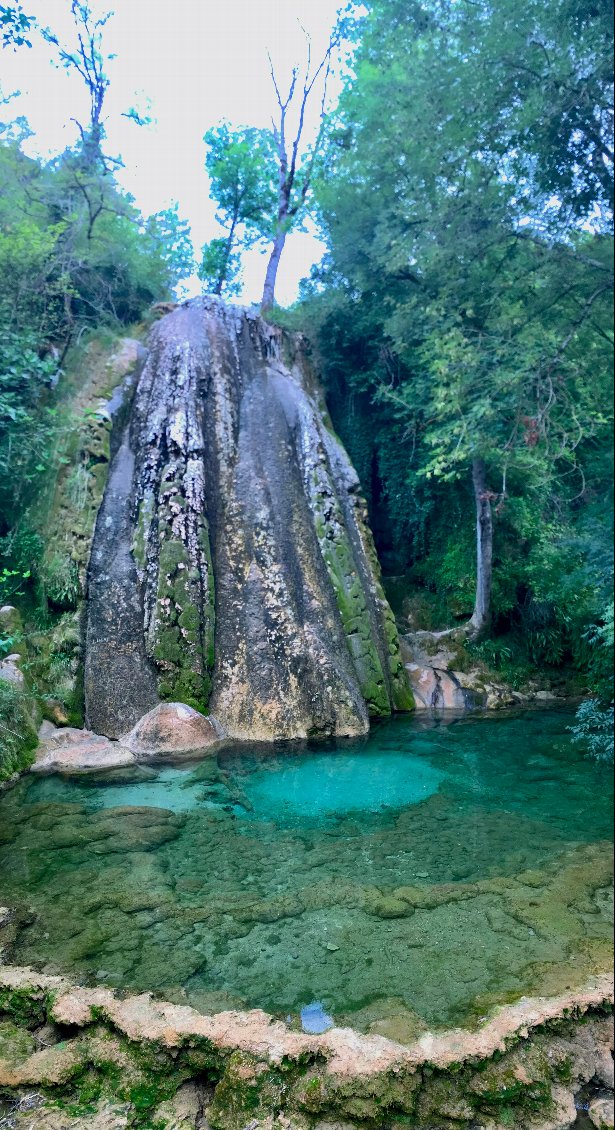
[172, 728]
[232, 564]
[435, 685]
[435, 688]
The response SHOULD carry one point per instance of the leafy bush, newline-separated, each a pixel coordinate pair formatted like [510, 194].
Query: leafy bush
[594, 729]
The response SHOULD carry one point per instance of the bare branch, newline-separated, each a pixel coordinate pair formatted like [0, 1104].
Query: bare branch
[288, 164]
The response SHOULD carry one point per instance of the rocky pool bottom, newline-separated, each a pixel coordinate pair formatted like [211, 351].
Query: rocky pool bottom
[408, 883]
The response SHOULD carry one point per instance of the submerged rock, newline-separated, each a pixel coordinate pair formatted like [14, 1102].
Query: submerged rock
[233, 568]
[172, 728]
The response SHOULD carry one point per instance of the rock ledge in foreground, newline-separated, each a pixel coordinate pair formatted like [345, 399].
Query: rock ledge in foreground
[251, 1070]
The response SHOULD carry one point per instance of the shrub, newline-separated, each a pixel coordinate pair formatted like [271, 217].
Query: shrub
[594, 730]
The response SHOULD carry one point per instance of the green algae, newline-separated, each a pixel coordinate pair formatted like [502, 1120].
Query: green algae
[423, 910]
[337, 555]
[93, 1066]
[181, 637]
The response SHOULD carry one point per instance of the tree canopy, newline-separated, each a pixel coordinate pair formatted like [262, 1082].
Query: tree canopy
[241, 168]
[465, 303]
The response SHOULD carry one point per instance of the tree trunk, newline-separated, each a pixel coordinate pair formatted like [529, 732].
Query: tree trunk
[481, 616]
[222, 276]
[272, 271]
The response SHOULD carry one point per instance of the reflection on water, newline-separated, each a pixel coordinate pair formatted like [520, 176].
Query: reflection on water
[410, 880]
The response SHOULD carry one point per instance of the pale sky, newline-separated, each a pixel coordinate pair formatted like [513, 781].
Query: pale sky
[190, 63]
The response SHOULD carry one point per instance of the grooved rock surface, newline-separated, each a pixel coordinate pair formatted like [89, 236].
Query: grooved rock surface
[435, 688]
[233, 568]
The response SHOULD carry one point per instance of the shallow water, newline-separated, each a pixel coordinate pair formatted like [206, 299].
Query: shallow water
[411, 880]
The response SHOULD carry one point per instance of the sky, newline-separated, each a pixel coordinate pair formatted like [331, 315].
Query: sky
[189, 64]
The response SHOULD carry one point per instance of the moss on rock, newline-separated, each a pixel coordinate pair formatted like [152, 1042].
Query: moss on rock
[181, 635]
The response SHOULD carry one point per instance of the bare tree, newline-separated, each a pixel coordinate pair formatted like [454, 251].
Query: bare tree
[88, 61]
[295, 170]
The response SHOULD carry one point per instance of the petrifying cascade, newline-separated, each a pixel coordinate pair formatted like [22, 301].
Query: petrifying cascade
[232, 566]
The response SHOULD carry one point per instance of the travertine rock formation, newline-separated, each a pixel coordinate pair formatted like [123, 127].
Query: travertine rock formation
[148, 1062]
[233, 568]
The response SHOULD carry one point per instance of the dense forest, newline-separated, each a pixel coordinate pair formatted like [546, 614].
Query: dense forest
[461, 317]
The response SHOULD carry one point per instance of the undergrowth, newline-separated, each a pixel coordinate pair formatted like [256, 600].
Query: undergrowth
[17, 730]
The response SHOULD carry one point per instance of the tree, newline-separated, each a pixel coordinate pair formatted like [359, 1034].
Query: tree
[241, 168]
[89, 62]
[295, 169]
[171, 243]
[56, 284]
[489, 302]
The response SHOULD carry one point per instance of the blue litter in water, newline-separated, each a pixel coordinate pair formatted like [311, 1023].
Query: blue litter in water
[314, 1019]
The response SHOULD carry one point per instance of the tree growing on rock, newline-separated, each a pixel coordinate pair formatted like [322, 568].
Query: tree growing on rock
[241, 167]
[295, 165]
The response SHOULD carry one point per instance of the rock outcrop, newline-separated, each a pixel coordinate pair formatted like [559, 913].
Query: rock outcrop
[148, 1062]
[232, 566]
[435, 685]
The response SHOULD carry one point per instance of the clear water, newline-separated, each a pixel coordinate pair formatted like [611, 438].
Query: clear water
[411, 880]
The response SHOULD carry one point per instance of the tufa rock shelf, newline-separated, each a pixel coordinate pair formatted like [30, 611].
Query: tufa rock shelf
[144, 1059]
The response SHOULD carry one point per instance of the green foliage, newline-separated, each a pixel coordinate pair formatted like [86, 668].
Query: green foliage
[17, 730]
[169, 241]
[15, 26]
[219, 269]
[601, 643]
[241, 168]
[464, 312]
[593, 729]
[75, 255]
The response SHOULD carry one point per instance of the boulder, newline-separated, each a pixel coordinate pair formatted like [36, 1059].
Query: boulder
[435, 688]
[10, 620]
[70, 751]
[602, 1113]
[10, 671]
[173, 729]
[184, 1111]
